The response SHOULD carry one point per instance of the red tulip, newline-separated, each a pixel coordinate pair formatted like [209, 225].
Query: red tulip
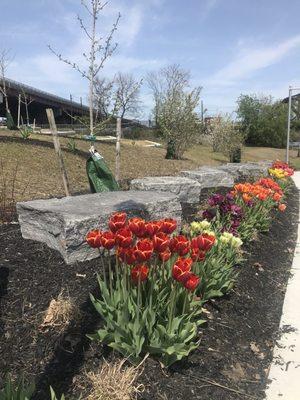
[152, 227]
[124, 237]
[205, 241]
[161, 242]
[168, 226]
[143, 250]
[197, 254]
[137, 226]
[181, 268]
[140, 272]
[93, 238]
[180, 245]
[108, 240]
[165, 256]
[126, 255]
[191, 282]
[117, 221]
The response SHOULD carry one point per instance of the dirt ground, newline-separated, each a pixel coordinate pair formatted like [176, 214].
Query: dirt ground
[236, 347]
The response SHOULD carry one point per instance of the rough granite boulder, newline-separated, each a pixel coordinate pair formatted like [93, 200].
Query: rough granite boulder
[63, 223]
[187, 190]
[210, 177]
[250, 171]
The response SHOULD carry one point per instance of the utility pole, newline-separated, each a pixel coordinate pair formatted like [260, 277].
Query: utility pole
[71, 100]
[202, 111]
[118, 148]
[289, 123]
[81, 106]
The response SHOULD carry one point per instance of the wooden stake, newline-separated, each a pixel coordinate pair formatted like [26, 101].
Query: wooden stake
[118, 149]
[19, 109]
[53, 129]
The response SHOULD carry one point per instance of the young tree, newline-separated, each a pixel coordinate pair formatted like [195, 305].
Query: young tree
[26, 100]
[118, 96]
[98, 51]
[166, 81]
[105, 102]
[127, 94]
[225, 136]
[175, 107]
[5, 60]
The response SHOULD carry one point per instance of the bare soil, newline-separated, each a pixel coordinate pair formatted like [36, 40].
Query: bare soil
[236, 348]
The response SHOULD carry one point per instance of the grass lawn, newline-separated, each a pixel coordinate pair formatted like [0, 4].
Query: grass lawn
[38, 173]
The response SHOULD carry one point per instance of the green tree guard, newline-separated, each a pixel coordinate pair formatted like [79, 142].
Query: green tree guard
[100, 176]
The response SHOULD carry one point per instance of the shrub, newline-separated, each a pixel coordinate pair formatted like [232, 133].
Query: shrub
[25, 131]
[8, 192]
[71, 144]
[10, 123]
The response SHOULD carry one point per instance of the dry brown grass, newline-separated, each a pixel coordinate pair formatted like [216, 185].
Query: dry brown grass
[115, 381]
[38, 165]
[60, 313]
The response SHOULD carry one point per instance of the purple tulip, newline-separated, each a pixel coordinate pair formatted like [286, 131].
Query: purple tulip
[216, 199]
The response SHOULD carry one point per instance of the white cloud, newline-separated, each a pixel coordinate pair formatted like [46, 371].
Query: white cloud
[46, 72]
[250, 60]
[130, 26]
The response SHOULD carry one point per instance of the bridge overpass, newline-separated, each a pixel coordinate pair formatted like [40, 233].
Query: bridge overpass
[41, 100]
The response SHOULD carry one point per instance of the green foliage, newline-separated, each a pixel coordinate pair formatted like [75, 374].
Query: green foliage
[136, 132]
[25, 131]
[10, 123]
[53, 395]
[72, 145]
[171, 150]
[16, 391]
[218, 270]
[236, 155]
[256, 218]
[263, 121]
[156, 317]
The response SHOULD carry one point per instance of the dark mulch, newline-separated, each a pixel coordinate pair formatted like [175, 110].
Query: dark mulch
[237, 343]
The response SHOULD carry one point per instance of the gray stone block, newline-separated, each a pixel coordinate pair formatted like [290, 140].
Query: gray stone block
[187, 190]
[210, 177]
[242, 172]
[63, 223]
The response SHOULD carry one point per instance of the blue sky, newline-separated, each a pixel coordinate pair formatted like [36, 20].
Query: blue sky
[229, 46]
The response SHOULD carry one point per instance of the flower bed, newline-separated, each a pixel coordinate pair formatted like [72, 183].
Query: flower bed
[152, 299]
[161, 276]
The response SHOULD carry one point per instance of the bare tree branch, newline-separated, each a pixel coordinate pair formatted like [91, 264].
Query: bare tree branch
[5, 60]
[99, 50]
